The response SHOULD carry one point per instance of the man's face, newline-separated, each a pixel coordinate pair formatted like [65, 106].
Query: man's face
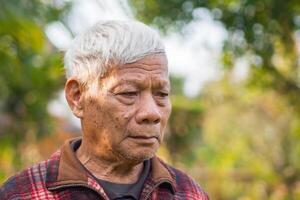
[126, 112]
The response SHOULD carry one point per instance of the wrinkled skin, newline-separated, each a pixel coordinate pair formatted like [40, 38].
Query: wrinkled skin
[124, 115]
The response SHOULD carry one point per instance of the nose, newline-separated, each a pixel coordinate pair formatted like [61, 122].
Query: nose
[148, 112]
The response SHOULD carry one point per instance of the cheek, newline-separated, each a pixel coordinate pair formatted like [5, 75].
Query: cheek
[93, 120]
[117, 116]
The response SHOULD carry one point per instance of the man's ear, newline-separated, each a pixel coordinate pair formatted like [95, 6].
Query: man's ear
[74, 96]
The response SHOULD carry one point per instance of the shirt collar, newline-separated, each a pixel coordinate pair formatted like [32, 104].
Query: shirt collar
[70, 171]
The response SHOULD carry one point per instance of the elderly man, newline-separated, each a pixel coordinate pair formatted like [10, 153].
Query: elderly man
[118, 86]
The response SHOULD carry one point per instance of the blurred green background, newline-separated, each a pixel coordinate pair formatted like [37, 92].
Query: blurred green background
[239, 138]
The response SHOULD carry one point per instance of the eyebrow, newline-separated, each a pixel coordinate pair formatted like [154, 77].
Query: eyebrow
[159, 83]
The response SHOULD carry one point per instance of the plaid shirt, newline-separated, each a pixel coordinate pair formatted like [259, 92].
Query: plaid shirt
[63, 177]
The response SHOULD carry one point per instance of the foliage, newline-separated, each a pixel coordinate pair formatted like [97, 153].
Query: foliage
[184, 126]
[253, 150]
[30, 73]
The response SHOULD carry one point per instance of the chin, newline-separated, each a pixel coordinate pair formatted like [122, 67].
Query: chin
[138, 156]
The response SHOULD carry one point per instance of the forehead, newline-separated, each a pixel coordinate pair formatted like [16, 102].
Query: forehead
[156, 63]
[154, 67]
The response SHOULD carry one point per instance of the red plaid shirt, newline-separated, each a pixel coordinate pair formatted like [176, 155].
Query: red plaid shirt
[63, 177]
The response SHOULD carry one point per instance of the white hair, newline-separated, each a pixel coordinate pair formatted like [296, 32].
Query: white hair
[109, 43]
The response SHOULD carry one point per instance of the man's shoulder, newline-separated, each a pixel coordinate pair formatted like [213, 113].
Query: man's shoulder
[26, 183]
[185, 185]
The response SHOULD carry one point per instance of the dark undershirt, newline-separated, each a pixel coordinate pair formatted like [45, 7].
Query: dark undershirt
[116, 191]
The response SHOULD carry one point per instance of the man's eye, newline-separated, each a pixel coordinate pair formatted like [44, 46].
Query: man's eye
[128, 94]
[162, 94]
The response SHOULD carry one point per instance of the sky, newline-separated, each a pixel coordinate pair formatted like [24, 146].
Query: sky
[193, 55]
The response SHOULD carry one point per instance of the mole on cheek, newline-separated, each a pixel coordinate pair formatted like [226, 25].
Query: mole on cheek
[126, 116]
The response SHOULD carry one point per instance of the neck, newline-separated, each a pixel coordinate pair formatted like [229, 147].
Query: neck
[107, 168]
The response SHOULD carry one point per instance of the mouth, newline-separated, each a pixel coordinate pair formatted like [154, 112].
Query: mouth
[144, 139]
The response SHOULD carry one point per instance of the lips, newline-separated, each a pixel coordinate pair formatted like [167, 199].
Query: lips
[143, 134]
[144, 137]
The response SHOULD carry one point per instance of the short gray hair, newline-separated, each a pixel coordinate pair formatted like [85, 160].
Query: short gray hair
[109, 43]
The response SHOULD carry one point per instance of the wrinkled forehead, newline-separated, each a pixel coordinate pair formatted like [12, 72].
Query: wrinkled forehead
[153, 63]
[150, 68]
[159, 57]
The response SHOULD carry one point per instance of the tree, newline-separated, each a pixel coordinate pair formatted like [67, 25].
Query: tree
[30, 75]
